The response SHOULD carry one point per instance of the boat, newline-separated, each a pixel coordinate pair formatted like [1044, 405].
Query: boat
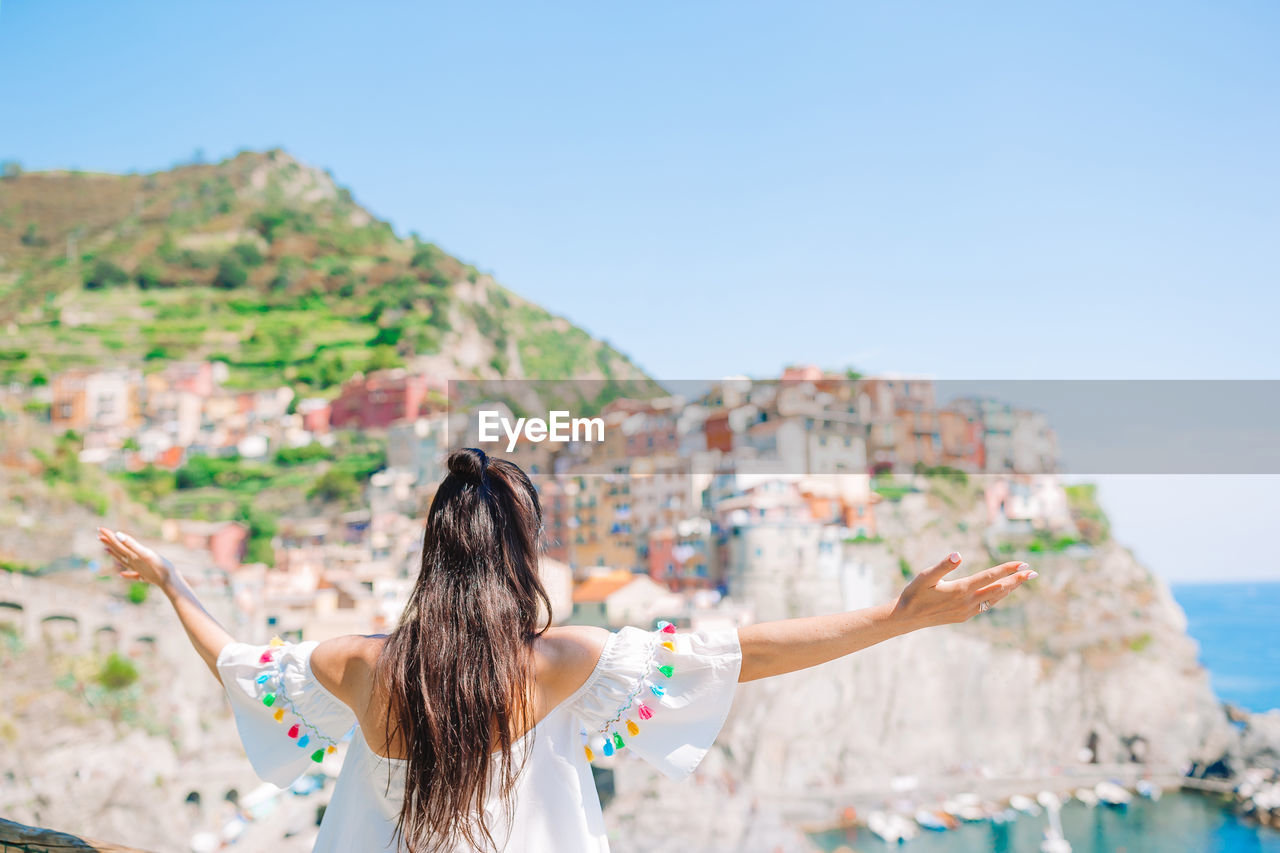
[1049, 800]
[930, 820]
[1054, 841]
[1026, 805]
[1112, 794]
[1086, 796]
[966, 807]
[891, 828]
[999, 817]
[1150, 790]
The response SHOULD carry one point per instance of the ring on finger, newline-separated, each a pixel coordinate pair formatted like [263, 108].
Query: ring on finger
[984, 607]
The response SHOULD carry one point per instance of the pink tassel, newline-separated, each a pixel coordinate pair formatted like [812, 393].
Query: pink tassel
[644, 711]
[668, 628]
[266, 657]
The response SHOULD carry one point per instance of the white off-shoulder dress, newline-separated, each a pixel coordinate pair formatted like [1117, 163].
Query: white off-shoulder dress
[662, 695]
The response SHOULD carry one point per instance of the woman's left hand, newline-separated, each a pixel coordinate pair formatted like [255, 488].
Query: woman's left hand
[136, 561]
[930, 600]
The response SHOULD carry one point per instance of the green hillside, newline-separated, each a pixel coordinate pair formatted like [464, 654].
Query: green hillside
[266, 264]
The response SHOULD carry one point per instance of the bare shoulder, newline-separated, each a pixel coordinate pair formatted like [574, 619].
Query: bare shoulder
[345, 665]
[566, 655]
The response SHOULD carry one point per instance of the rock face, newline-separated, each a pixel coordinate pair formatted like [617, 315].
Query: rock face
[1093, 653]
[145, 766]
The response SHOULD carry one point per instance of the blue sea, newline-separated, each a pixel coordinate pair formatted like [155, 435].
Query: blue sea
[1238, 628]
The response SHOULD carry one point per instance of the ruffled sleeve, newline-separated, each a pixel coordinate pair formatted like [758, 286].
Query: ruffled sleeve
[662, 694]
[286, 719]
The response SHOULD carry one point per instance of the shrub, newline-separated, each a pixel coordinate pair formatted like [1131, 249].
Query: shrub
[335, 485]
[387, 335]
[262, 529]
[118, 672]
[249, 254]
[426, 257]
[231, 273]
[1140, 642]
[270, 223]
[150, 276]
[89, 498]
[302, 455]
[105, 274]
[944, 472]
[381, 358]
[31, 237]
[138, 592]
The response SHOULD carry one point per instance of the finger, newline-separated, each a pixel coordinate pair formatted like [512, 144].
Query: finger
[116, 550]
[943, 568]
[991, 593]
[978, 580]
[126, 572]
[130, 546]
[110, 539]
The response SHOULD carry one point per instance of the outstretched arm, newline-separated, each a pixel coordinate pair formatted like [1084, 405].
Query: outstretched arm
[136, 561]
[774, 648]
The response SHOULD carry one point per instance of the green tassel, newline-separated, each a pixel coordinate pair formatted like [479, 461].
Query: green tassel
[666, 670]
[617, 740]
[317, 756]
[269, 699]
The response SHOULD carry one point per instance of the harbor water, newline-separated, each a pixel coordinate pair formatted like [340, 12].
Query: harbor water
[1239, 637]
[1177, 823]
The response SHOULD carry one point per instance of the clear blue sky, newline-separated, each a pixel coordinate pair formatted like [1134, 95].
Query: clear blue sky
[1018, 190]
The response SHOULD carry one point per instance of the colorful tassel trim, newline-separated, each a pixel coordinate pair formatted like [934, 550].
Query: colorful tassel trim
[613, 741]
[276, 695]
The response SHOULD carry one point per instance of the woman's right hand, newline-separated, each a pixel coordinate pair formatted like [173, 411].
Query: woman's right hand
[929, 600]
[135, 561]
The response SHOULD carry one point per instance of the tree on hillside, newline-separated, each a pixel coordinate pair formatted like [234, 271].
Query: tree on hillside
[103, 274]
[31, 236]
[335, 485]
[231, 273]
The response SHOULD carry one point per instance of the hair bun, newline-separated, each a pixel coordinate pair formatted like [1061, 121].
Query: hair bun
[468, 463]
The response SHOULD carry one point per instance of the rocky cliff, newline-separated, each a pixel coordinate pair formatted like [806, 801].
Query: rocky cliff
[1086, 668]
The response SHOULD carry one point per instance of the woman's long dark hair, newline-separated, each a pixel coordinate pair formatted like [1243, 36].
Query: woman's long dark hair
[459, 664]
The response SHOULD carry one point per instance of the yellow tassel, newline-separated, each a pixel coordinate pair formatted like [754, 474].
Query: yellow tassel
[279, 714]
[671, 647]
[590, 755]
[632, 728]
[276, 641]
[331, 749]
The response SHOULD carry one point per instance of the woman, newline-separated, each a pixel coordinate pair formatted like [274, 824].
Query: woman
[474, 720]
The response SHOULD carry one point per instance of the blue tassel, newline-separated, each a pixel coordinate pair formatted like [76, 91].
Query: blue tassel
[304, 740]
[262, 679]
[657, 689]
[608, 747]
